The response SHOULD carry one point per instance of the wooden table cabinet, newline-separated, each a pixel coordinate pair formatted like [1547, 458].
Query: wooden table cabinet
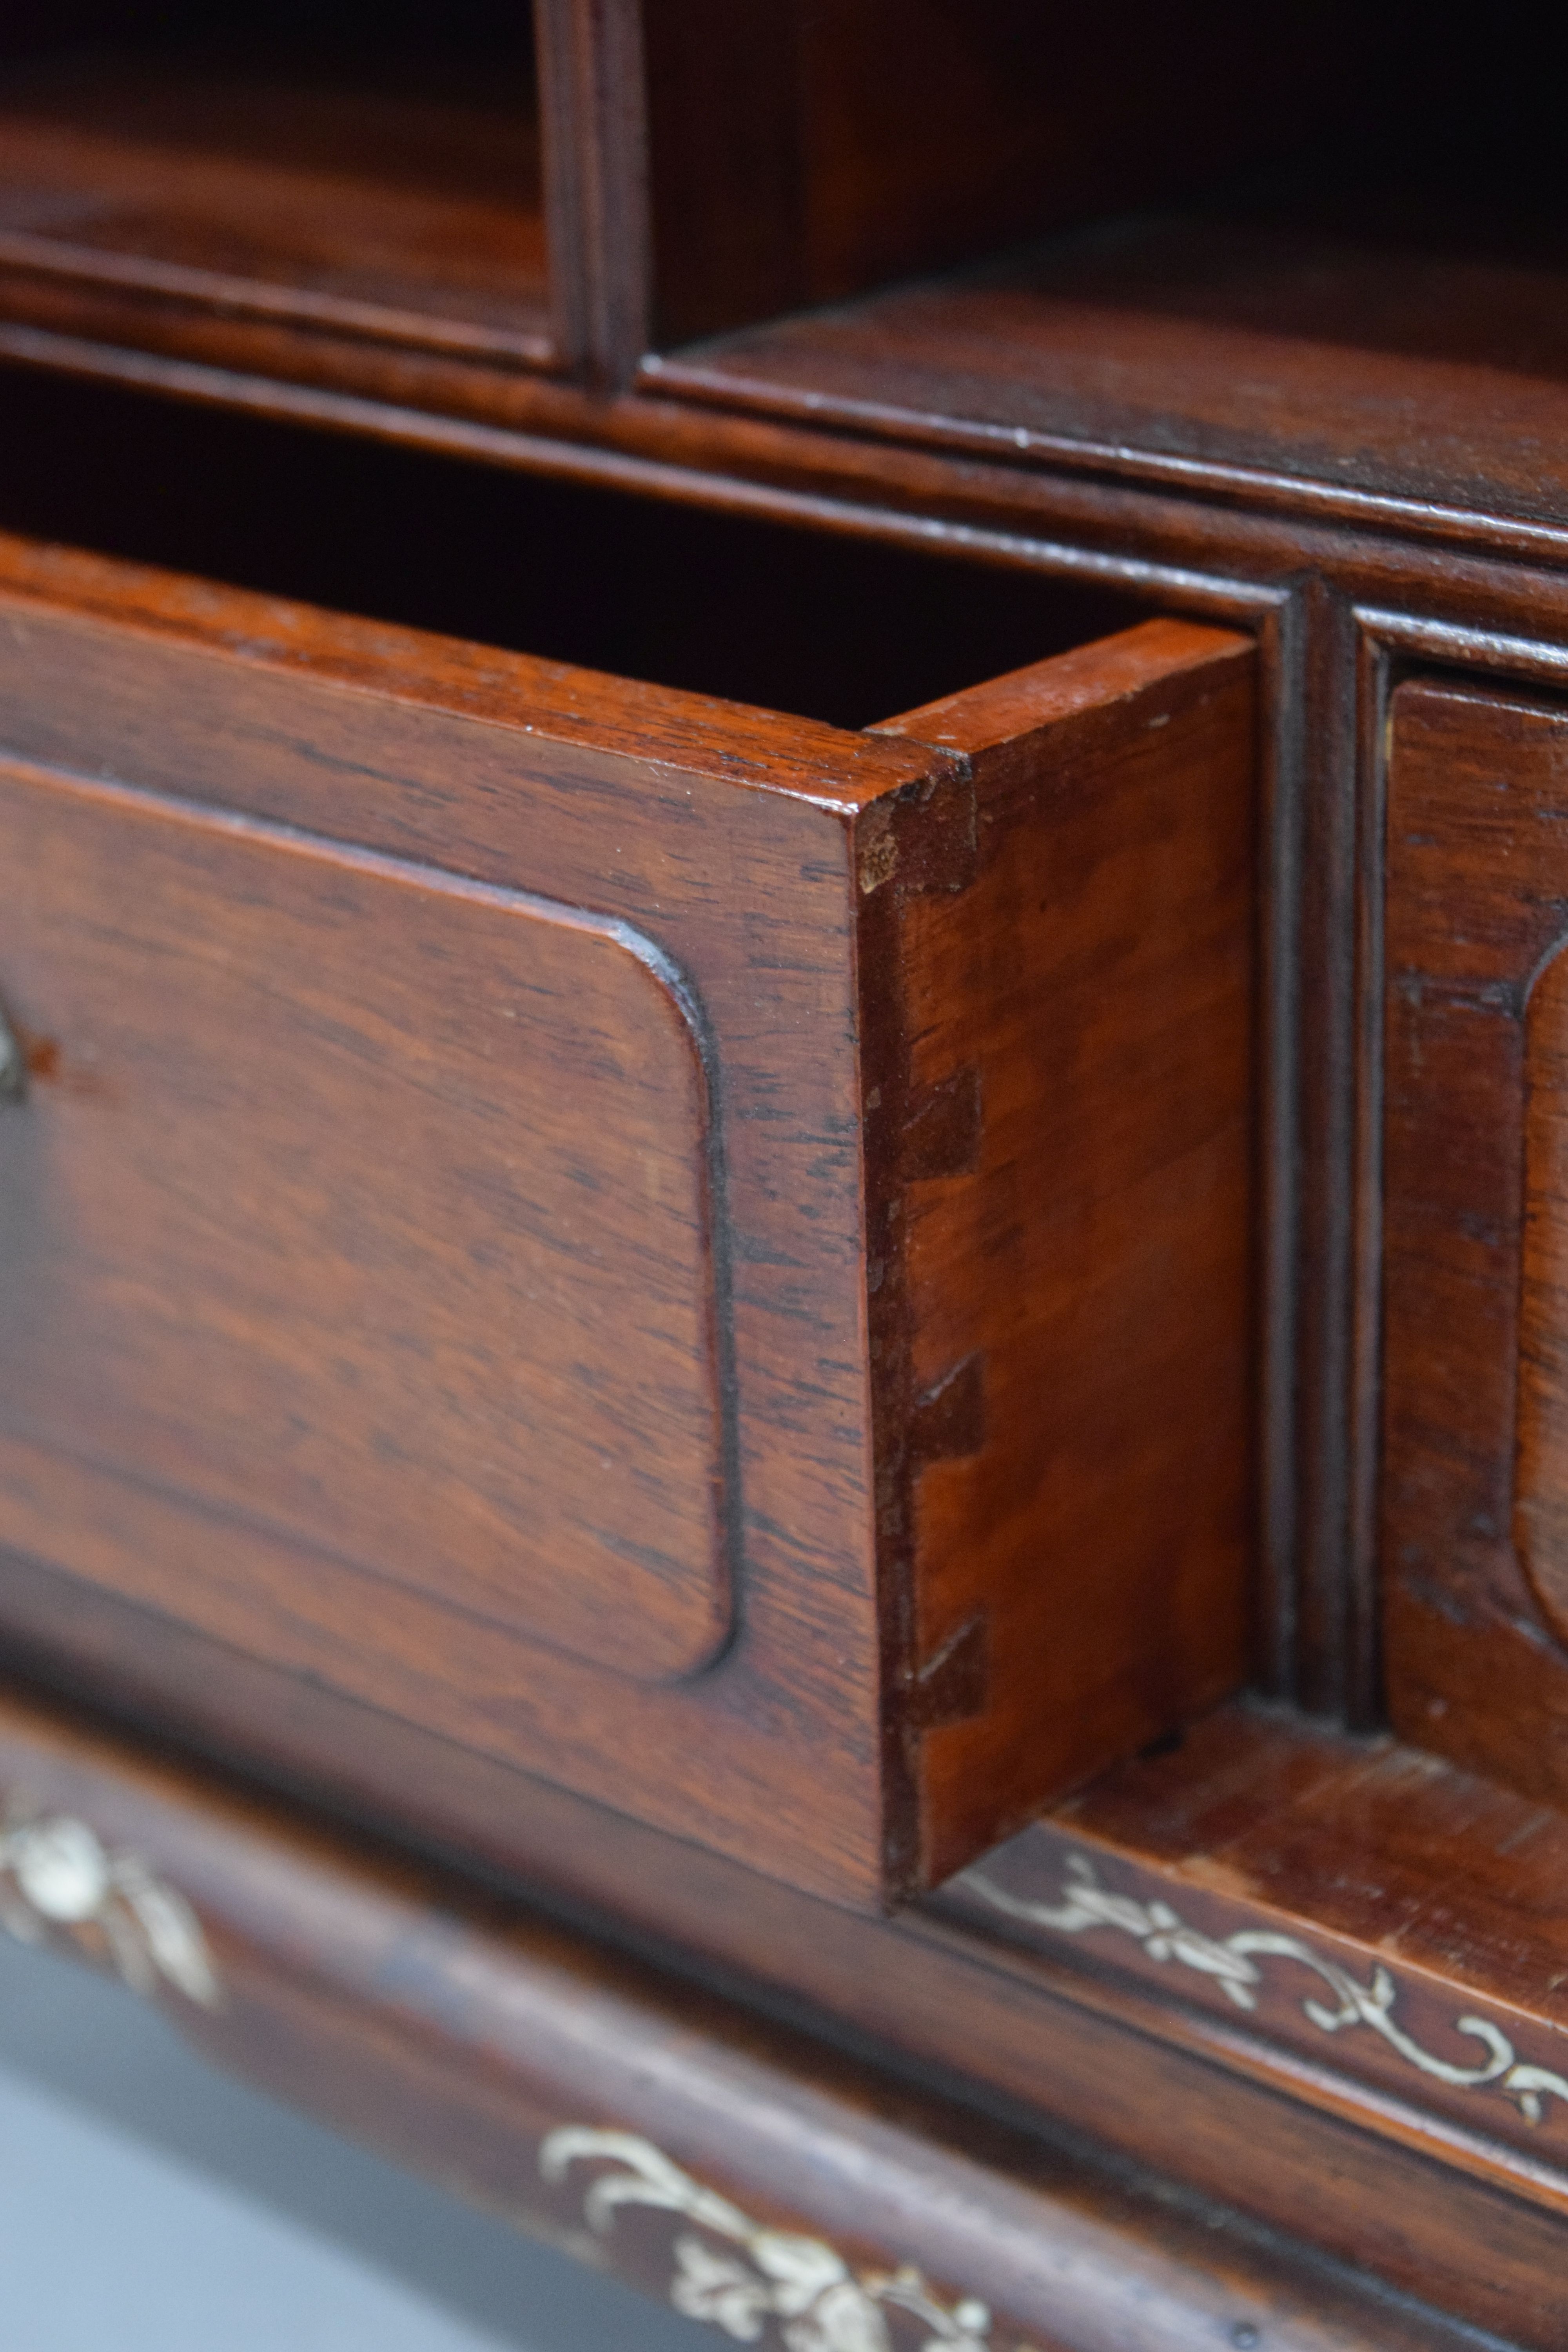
[782, 1170]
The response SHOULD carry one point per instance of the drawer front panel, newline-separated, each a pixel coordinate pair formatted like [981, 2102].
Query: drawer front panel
[451, 829]
[1474, 1485]
[1540, 1497]
[368, 1204]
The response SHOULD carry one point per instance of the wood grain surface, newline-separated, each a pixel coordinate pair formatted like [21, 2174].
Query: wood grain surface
[734, 2167]
[1541, 1459]
[799, 155]
[1472, 1305]
[728, 832]
[1081, 1270]
[708, 165]
[1335, 421]
[1351, 1906]
[467, 1346]
[410, 214]
[1052, 2029]
[1269, 347]
[1228, 356]
[496, 1292]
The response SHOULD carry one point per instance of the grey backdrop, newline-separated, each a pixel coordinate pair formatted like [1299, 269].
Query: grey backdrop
[150, 2203]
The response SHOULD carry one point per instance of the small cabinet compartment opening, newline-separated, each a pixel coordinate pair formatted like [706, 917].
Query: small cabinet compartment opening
[360, 171]
[1423, 222]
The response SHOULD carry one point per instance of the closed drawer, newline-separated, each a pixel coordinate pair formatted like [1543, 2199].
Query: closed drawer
[677, 1249]
[1474, 1504]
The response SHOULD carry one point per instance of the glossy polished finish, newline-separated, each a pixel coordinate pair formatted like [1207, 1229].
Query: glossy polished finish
[1081, 1228]
[1472, 1529]
[284, 165]
[1087, 1012]
[503, 1145]
[734, 2168]
[397, 180]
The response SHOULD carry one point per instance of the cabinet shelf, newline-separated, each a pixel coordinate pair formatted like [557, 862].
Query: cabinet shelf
[390, 191]
[1218, 348]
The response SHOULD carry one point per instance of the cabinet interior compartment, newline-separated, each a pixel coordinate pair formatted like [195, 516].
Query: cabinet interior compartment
[1426, 223]
[1369, 296]
[368, 172]
[799, 155]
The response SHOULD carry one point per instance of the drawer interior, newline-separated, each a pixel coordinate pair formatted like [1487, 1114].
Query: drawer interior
[844, 631]
[372, 170]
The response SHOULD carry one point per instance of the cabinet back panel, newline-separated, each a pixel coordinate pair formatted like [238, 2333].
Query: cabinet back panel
[373, 172]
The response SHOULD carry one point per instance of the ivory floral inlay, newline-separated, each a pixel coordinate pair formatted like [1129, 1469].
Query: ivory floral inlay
[820, 2304]
[57, 1872]
[1233, 1965]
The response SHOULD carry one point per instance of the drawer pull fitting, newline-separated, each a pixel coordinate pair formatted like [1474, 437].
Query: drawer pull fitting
[13, 1062]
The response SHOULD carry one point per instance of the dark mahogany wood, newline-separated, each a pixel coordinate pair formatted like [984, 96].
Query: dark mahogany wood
[1346, 1907]
[331, 1341]
[1242, 358]
[400, 201]
[1425, 587]
[594, 146]
[635, 2121]
[798, 154]
[1311, 1978]
[1109, 1126]
[1471, 1516]
[705, 165]
[1050, 2026]
[538, 1206]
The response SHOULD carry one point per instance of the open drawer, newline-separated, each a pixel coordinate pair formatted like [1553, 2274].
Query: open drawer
[689, 1251]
